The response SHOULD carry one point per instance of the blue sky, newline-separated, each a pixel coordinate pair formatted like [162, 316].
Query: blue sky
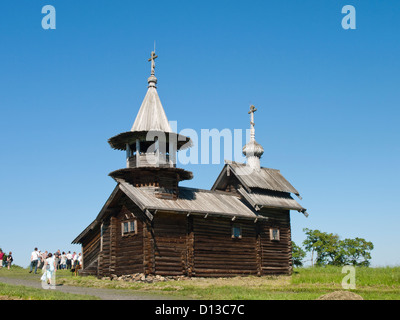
[327, 98]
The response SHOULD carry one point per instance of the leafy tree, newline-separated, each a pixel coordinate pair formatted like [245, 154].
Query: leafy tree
[324, 245]
[331, 250]
[298, 254]
[357, 251]
[309, 243]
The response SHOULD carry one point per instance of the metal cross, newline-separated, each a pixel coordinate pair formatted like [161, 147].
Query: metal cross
[153, 65]
[252, 110]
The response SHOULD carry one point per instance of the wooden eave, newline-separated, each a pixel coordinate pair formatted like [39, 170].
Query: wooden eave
[133, 172]
[193, 201]
[223, 177]
[120, 141]
[271, 201]
[266, 178]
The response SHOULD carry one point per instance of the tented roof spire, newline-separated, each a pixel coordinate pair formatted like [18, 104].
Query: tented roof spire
[150, 118]
[151, 115]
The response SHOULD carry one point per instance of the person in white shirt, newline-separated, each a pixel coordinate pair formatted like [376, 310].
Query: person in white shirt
[34, 260]
[69, 260]
[63, 261]
[80, 258]
[74, 258]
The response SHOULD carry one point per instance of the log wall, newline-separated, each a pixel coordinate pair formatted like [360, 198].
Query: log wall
[121, 253]
[276, 256]
[104, 255]
[169, 234]
[129, 247]
[90, 252]
[216, 253]
[177, 244]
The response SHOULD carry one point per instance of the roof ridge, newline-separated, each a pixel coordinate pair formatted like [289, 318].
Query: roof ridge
[208, 191]
[244, 164]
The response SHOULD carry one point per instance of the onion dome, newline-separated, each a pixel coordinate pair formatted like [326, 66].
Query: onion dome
[253, 148]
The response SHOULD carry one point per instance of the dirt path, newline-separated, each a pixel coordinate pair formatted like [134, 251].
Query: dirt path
[104, 294]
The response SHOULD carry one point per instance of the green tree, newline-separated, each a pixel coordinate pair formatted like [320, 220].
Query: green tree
[329, 249]
[357, 251]
[298, 254]
[324, 245]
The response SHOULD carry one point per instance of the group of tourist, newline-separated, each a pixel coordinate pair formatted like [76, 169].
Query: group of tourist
[56, 261]
[5, 260]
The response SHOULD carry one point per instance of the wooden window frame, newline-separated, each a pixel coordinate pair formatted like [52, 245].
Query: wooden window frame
[271, 234]
[130, 231]
[236, 226]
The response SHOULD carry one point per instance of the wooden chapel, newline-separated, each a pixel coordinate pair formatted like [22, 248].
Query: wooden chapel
[151, 225]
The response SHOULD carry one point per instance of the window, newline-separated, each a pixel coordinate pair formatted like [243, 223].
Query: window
[132, 226]
[128, 227]
[236, 232]
[274, 234]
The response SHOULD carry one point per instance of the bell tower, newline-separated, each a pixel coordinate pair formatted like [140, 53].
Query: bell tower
[151, 146]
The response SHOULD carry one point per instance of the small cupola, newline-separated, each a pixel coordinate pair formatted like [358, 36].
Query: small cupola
[253, 150]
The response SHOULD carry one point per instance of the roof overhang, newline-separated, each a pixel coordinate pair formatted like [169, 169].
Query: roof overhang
[120, 141]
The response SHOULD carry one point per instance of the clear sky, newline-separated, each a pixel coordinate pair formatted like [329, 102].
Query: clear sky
[327, 98]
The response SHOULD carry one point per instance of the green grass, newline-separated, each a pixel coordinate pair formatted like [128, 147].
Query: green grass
[304, 284]
[371, 283]
[16, 292]
[384, 276]
[19, 292]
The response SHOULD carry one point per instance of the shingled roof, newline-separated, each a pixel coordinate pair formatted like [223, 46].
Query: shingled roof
[190, 201]
[151, 115]
[261, 188]
[151, 121]
[265, 178]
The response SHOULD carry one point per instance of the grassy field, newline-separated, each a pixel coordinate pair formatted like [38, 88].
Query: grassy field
[16, 292]
[304, 284]
[19, 292]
